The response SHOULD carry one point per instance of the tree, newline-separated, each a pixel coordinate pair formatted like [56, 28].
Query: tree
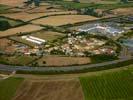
[124, 1]
[36, 2]
[4, 25]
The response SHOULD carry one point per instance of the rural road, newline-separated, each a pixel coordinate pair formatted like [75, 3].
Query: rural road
[59, 69]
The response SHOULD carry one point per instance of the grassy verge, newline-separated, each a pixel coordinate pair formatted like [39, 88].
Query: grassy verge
[8, 87]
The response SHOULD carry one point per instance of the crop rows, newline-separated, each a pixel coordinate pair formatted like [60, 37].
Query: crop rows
[112, 86]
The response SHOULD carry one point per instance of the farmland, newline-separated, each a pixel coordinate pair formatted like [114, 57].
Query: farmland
[13, 23]
[11, 2]
[62, 37]
[58, 89]
[8, 87]
[66, 19]
[108, 86]
[16, 60]
[62, 61]
[21, 29]
[104, 5]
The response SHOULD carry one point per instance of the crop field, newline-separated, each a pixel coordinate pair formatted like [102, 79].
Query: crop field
[62, 61]
[21, 29]
[109, 86]
[8, 87]
[66, 19]
[48, 35]
[17, 60]
[68, 89]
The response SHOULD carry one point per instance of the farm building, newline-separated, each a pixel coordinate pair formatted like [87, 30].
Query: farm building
[34, 40]
[101, 28]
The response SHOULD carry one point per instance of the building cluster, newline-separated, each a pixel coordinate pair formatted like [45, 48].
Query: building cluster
[104, 29]
[82, 46]
[23, 49]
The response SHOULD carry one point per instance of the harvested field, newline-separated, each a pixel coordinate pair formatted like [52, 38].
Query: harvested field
[43, 9]
[26, 16]
[12, 2]
[68, 89]
[21, 29]
[123, 11]
[63, 20]
[62, 61]
[48, 35]
[23, 16]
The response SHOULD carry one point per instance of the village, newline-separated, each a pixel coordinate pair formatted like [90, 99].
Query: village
[35, 31]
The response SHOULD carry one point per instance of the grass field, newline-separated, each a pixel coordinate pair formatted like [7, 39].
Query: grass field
[109, 86]
[8, 87]
[66, 19]
[16, 60]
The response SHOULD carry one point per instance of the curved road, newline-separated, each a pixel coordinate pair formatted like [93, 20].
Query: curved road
[59, 69]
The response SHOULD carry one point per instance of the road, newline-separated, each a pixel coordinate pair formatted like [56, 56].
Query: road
[59, 69]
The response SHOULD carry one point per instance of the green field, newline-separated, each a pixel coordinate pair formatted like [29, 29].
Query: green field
[73, 5]
[12, 22]
[8, 87]
[109, 86]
